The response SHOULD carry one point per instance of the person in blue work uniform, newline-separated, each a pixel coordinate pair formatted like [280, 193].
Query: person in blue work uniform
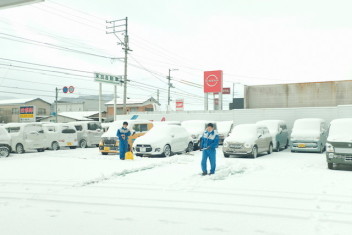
[208, 144]
[123, 133]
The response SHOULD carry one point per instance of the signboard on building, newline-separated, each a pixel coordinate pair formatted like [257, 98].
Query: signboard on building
[27, 114]
[108, 78]
[180, 105]
[226, 90]
[213, 81]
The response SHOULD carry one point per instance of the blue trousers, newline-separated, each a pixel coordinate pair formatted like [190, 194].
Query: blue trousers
[123, 148]
[211, 154]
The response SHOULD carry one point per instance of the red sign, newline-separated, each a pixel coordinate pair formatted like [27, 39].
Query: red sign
[212, 81]
[71, 89]
[179, 105]
[226, 90]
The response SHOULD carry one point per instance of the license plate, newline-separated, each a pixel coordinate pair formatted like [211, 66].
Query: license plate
[106, 148]
[301, 146]
[69, 143]
[143, 149]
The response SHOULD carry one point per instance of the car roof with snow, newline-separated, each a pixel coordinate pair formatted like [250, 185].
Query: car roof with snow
[310, 120]
[341, 120]
[271, 121]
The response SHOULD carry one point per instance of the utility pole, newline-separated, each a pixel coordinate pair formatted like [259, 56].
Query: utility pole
[169, 86]
[56, 97]
[116, 29]
[157, 95]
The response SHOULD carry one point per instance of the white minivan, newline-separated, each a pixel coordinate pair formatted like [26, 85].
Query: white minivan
[89, 133]
[5, 142]
[279, 132]
[60, 135]
[308, 135]
[26, 136]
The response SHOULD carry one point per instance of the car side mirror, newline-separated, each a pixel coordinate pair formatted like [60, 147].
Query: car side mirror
[133, 132]
[259, 136]
[280, 130]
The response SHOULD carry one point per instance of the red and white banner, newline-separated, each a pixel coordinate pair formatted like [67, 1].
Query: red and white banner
[226, 90]
[180, 105]
[213, 81]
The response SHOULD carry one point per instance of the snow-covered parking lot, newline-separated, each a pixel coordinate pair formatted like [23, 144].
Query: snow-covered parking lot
[82, 192]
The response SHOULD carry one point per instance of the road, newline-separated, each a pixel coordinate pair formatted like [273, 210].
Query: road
[82, 192]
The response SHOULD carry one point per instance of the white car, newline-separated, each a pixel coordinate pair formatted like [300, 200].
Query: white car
[163, 140]
[196, 128]
[26, 136]
[89, 133]
[223, 128]
[5, 142]
[60, 135]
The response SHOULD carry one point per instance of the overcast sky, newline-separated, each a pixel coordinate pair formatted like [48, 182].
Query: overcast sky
[252, 41]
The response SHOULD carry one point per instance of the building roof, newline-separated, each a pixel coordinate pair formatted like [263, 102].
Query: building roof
[79, 116]
[19, 101]
[119, 101]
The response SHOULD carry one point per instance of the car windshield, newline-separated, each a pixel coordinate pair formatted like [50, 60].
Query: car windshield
[244, 131]
[340, 129]
[272, 126]
[307, 125]
[194, 127]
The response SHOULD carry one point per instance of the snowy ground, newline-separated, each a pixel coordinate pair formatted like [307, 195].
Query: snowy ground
[82, 192]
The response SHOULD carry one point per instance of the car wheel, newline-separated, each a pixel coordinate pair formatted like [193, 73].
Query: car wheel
[55, 146]
[4, 151]
[270, 150]
[167, 151]
[19, 149]
[226, 155]
[190, 147]
[255, 152]
[277, 147]
[83, 144]
[331, 166]
[104, 153]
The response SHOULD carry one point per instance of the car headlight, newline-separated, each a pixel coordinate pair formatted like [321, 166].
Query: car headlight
[226, 144]
[194, 137]
[247, 146]
[329, 148]
[331, 155]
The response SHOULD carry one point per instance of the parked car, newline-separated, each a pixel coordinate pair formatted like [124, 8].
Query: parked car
[5, 142]
[279, 133]
[308, 135]
[196, 128]
[106, 126]
[248, 139]
[89, 133]
[58, 135]
[339, 143]
[109, 142]
[163, 140]
[26, 136]
[224, 128]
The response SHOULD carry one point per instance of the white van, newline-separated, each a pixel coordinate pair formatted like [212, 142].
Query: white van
[5, 142]
[60, 135]
[308, 135]
[89, 133]
[279, 132]
[26, 136]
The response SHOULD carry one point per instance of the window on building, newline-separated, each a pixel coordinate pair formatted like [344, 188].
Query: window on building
[15, 111]
[41, 111]
[134, 109]
[149, 109]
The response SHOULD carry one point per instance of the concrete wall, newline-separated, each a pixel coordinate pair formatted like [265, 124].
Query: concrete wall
[319, 94]
[251, 115]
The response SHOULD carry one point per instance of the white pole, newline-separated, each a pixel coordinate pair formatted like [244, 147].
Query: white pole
[115, 95]
[100, 94]
[205, 101]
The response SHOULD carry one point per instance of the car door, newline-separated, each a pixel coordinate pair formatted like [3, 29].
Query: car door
[267, 139]
[260, 139]
[33, 139]
[181, 138]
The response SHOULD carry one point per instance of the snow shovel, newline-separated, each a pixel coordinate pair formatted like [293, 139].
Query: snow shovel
[129, 155]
